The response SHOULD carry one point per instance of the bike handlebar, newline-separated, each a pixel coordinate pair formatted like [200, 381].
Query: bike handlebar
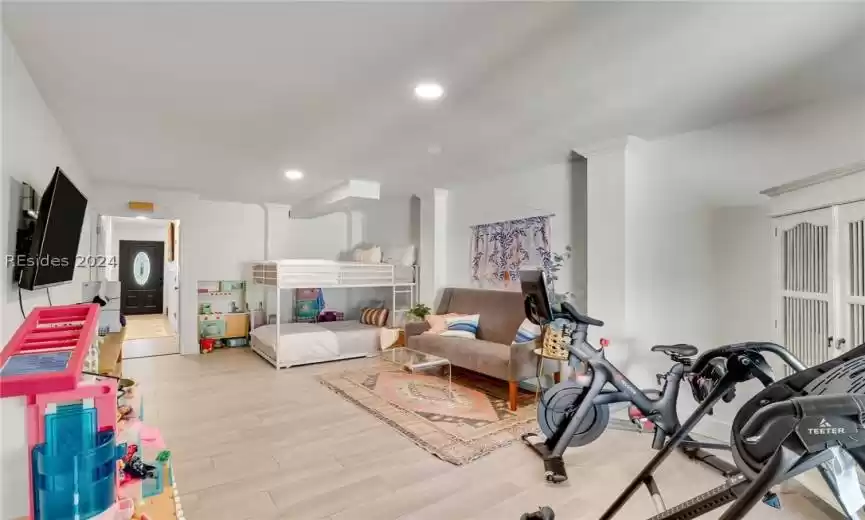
[807, 406]
[728, 351]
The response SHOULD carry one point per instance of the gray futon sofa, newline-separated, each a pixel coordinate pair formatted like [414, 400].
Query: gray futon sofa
[492, 353]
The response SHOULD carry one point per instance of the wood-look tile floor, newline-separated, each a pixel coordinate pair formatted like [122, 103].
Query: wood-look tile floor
[251, 443]
[139, 348]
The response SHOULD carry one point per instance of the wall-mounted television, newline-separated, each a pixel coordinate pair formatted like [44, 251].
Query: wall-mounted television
[50, 259]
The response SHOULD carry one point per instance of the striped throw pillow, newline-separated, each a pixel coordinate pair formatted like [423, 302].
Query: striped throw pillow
[528, 331]
[462, 326]
[370, 316]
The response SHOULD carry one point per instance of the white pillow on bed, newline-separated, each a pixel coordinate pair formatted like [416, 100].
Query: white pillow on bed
[370, 255]
[399, 255]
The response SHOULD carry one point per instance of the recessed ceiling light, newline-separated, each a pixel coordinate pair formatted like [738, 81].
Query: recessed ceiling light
[434, 149]
[141, 217]
[293, 175]
[429, 91]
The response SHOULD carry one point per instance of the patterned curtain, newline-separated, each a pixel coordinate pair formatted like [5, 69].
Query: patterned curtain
[501, 249]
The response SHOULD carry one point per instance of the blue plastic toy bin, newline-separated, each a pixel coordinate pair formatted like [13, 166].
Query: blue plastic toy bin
[76, 483]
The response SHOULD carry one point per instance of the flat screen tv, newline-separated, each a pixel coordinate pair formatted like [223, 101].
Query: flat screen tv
[54, 245]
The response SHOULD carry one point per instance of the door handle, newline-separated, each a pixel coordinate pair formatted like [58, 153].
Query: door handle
[829, 341]
[840, 343]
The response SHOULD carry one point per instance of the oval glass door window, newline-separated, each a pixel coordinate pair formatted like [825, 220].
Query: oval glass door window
[141, 268]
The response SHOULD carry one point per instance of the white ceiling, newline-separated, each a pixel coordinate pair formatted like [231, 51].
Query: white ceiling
[219, 98]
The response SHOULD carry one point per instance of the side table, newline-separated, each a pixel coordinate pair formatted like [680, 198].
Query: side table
[557, 376]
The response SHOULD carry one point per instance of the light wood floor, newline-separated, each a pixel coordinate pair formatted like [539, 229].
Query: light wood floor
[139, 348]
[149, 335]
[251, 443]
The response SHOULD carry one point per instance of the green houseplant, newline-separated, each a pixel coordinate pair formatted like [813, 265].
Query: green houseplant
[419, 312]
[552, 269]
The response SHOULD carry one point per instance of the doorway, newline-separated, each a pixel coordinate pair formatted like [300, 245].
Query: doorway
[820, 281]
[147, 272]
[141, 276]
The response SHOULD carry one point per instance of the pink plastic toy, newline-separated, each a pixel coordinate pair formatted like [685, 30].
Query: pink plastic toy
[47, 352]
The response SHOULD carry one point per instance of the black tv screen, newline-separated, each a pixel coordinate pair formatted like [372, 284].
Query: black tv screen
[54, 246]
[536, 297]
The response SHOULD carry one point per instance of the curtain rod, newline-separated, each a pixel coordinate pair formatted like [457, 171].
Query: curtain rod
[547, 215]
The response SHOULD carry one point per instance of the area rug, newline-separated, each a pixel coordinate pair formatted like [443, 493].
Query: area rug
[147, 326]
[472, 423]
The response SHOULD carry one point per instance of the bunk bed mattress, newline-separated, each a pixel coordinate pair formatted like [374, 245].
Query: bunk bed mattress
[308, 342]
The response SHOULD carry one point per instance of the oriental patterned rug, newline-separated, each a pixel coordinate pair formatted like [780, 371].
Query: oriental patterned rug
[471, 423]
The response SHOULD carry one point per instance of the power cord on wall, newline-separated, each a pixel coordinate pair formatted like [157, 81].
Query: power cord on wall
[21, 303]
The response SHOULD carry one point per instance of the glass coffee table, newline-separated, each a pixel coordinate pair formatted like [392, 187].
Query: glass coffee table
[414, 361]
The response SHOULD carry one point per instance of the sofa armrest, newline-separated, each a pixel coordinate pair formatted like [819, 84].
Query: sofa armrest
[415, 328]
[523, 362]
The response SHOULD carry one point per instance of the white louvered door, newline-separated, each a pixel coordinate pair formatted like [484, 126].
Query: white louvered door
[851, 224]
[805, 248]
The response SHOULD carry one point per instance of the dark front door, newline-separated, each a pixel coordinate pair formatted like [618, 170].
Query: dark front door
[140, 275]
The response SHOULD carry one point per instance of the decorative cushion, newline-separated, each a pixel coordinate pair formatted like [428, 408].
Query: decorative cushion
[398, 255]
[528, 331]
[462, 326]
[370, 255]
[437, 323]
[377, 317]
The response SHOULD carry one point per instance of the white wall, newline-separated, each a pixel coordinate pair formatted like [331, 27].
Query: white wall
[320, 237]
[388, 222]
[33, 144]
[154, 230]
[742, 271]
[543, 191]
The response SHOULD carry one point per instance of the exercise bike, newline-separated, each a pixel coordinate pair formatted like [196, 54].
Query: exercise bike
[808, 420]
[573, 413]
[811, 419]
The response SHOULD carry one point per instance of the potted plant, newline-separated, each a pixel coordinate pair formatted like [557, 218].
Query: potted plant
[418, 313]
[552, 268]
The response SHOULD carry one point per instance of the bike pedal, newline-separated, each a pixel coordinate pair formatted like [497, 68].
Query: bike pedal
[772, 500]
[555, 470]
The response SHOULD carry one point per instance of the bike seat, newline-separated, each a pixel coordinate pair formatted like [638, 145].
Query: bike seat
[580, 318]
[680, 349]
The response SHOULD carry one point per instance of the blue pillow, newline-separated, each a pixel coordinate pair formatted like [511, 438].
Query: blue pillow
[528, 331]
[462, 326]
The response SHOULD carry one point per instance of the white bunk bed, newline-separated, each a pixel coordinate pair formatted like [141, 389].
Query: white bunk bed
[291, 344]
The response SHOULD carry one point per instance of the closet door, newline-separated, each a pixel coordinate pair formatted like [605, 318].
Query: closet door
[805, 318]
[851, 224]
